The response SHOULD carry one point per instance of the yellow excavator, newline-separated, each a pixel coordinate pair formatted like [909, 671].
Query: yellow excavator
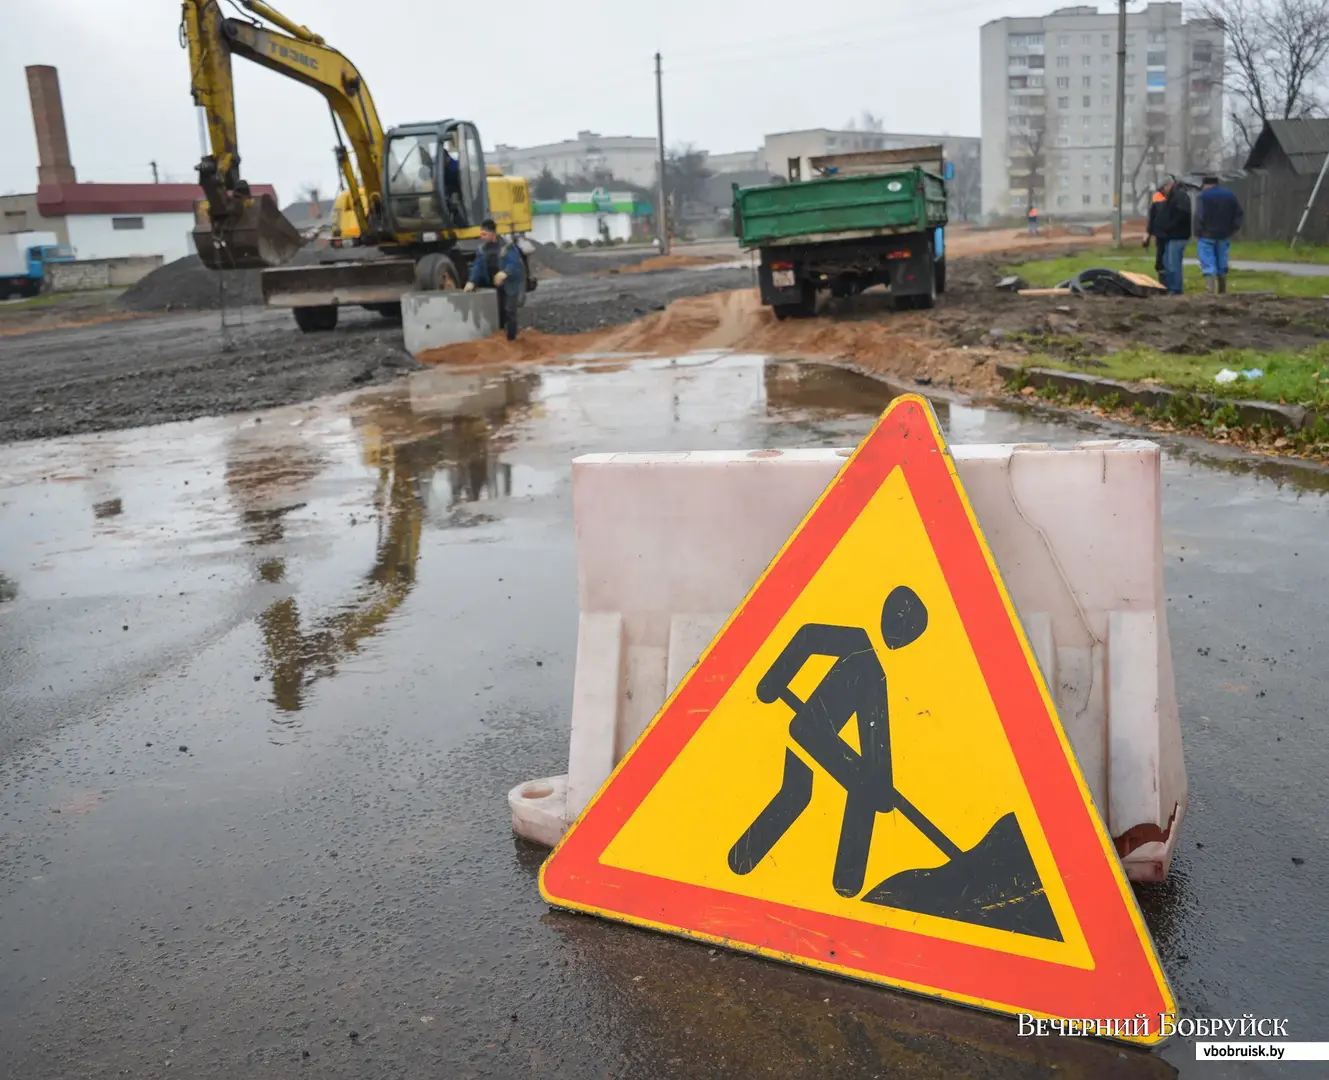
[414, 197]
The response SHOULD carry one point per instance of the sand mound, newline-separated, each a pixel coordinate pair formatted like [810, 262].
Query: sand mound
[879, 340]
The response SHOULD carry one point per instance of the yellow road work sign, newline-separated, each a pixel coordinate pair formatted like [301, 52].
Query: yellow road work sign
[864, 773]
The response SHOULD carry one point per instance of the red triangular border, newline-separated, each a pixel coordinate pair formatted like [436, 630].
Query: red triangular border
[1126, 978]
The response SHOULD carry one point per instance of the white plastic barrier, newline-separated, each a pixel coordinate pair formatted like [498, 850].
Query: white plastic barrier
[430, 320]
[669, 544]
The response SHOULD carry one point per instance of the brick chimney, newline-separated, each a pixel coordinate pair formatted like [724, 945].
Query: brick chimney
[48, 118]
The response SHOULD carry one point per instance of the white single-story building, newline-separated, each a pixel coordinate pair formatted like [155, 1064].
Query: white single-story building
[588, 215]
[111, 221]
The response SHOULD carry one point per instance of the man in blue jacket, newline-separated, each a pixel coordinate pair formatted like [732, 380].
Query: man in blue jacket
[498, 265]
[1218, 215]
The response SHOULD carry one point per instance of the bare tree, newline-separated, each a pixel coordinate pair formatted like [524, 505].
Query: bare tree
[866, 122]
[1031, 142]
[1275, 59]
[685, 176]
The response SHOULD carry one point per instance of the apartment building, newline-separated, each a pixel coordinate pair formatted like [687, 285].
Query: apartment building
[627, 158]
[1049, 90]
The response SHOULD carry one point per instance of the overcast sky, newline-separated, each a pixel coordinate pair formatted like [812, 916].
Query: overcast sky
[526, 71]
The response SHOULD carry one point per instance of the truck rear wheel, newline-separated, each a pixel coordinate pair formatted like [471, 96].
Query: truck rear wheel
[802, 308]
[313, 319]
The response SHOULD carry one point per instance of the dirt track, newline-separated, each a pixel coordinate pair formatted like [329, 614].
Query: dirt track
[109, 371]
[151, 370]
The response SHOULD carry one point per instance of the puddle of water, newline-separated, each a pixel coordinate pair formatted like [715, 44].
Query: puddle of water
[307, 526]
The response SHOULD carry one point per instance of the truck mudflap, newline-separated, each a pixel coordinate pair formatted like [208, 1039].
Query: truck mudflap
[339, 284]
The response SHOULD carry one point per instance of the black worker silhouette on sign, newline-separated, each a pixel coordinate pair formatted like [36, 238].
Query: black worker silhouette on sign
[994, 883]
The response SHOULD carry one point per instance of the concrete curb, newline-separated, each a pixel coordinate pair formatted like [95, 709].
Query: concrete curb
[1095, 388]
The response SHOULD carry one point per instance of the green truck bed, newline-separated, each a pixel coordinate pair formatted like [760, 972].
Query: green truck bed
[909, 200]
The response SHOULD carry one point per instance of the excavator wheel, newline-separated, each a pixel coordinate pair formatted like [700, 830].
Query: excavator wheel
[311, 319]
[435, 273]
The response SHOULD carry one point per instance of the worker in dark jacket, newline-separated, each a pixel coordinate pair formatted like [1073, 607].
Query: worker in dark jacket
[1218, 215]
[1155, 205]
[1173, 231]
[498, 265]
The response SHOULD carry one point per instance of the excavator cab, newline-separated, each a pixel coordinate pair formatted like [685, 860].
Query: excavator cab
[434, 178]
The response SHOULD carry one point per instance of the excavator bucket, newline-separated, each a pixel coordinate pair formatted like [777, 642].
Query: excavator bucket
[259, 236]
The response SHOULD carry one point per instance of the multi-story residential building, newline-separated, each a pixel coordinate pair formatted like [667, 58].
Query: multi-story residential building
[1049, 101]
[589, 156]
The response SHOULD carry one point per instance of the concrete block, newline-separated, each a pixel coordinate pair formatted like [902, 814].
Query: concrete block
[666, 542]
[431, 320]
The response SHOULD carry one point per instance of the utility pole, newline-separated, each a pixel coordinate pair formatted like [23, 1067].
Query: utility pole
[154, 172]
[1119, 150]
[662, 214]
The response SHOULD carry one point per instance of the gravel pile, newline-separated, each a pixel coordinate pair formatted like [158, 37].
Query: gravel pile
[188, 285]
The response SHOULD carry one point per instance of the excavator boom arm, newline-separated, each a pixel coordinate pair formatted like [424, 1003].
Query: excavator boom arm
[212, 39]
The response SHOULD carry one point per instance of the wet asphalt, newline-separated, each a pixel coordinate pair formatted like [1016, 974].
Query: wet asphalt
[265, 682]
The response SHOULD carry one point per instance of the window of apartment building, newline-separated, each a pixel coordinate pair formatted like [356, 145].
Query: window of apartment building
[1018, 82]
[1107, 121]
[1063, 103]
[1130, 59]
[1130, 80]
[1105, 179]
[1019, 61]
[1107, 161]
[1063, 61]
[1063, 122]
[1202, 53]
[1105, 59]
[1086, 200]
[1086, 60]
[1084, 140]
[1156, 59]
[1130, 39]
[1063, 82]
[1063, 40]
[1106, 200]
[1107, 101]
[1063, 140]
[1036, 60]
[1085, 101]
[1084, 181]
[1063, 200]
[1086, 39]
[1086, 81]
[1035, 80]
[1157, 37]
[1063, 181]
[1105, 82]
[126, 223]
[1107, 40]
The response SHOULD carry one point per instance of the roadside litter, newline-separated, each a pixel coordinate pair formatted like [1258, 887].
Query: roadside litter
[1098, 281]
[1227, 375]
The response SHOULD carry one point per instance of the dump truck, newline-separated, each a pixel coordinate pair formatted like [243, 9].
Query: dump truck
[876, 217]
[23, 260]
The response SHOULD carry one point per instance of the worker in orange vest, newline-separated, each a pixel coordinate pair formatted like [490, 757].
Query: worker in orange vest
[1155, 205]
[1033, 221]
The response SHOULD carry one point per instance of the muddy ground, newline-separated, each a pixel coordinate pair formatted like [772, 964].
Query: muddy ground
[103, 374]
[126, 372]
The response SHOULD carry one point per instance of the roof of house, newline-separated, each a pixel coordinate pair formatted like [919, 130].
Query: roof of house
[1305, 142]
[58, 200]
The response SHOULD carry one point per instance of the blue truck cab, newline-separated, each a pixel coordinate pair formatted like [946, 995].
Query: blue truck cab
[23, 267]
